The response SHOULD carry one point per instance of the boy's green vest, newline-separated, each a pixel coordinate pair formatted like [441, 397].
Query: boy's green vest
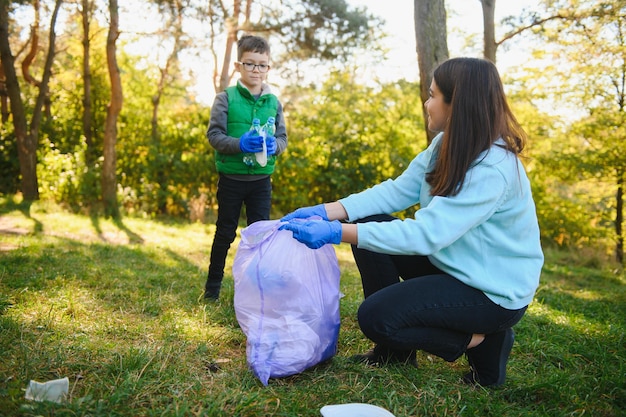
[242, 108]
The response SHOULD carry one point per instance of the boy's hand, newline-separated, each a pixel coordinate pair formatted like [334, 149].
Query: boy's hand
[251, 142]
[315, 233]
[270, 142]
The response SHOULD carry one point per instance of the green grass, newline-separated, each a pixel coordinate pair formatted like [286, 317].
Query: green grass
[117, 308]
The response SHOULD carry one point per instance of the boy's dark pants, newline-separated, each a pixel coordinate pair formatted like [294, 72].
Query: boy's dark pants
[231, 195]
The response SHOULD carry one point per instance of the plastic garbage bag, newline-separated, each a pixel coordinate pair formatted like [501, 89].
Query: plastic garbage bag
[286, 301]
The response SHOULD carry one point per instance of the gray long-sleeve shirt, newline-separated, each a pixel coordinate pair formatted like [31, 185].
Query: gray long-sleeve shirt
[219, 139]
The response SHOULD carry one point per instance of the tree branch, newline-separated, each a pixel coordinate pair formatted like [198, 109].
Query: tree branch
[535, 23]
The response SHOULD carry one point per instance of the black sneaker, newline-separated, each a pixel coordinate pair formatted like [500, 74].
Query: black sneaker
[488, 360]
[379, 356]
[212, 291]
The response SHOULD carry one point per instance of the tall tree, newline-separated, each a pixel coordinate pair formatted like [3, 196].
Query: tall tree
[527, 21]
[604, 98]
[4, 97]
[109, 166]
[585, 45]
[86, 13]
[173, 11]
[27, 150]
[174, 25]
[489, 30]
[34, 46]
[432, 45]
[27, 135]
[314, 29]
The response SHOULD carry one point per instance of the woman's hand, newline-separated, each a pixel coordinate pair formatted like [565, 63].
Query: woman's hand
[306, 212]
[314, 233]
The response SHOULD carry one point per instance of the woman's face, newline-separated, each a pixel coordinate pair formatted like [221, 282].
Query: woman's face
[436, 107]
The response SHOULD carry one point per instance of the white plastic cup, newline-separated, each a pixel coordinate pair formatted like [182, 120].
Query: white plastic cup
[354, 410]
[55, 390]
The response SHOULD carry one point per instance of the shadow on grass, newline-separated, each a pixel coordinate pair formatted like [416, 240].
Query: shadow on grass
[133, 238]
[556, 363]
[10, 204]
[85, 308]
[124, 323]
[99, 267]
[595, 295]
[570, 346]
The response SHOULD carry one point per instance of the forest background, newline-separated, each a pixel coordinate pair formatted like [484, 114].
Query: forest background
[100, 130]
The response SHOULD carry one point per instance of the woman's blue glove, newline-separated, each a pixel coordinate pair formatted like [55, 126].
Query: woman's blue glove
[315, 233]
[251, 142]
[270, 142]
[306, 212]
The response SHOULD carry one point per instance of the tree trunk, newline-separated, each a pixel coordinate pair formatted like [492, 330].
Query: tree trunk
[232, 27]
[4, 97]
[26, 147]
[30, 57]
[87, 112]
[489, 31]
[432, 45]
[176, 26]
[42, 97]
[109, 181]
[619, 216]
[34, 47]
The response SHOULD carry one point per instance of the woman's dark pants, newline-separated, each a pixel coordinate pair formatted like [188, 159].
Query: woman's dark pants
[412, 305]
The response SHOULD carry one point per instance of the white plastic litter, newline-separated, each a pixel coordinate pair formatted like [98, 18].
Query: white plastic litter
[354, 410]
[55, 390]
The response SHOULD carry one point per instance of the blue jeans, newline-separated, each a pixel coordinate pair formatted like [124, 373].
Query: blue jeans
[427, 310]
[231, 196]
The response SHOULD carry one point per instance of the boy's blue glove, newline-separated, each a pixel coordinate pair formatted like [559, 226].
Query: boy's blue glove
[270, 142]
[315, 233]
[306, 212]
[251, 142]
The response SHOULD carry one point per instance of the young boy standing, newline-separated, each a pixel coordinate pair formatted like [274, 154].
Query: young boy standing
[242, 180]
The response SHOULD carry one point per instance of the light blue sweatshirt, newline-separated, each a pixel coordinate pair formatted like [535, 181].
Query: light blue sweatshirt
[486, 236]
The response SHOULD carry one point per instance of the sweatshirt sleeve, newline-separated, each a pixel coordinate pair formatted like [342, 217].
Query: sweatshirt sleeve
[218, 123]
[394, 194]
[443, 221]
[281, 130]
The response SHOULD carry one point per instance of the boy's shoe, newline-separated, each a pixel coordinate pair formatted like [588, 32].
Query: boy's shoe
[379, 356]
[488, 360]
[212, 291]
[211, 295]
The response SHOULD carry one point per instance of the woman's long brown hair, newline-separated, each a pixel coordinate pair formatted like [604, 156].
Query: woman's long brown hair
[479, 115]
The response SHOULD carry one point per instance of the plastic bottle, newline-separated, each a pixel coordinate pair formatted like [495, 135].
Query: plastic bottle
[270, 126]
[256, 127]
[261, 157]
[267, 129]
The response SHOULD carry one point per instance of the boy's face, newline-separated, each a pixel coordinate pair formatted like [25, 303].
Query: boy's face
[253, 78]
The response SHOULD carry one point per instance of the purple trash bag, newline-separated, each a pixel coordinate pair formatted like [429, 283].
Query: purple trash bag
[286, 301]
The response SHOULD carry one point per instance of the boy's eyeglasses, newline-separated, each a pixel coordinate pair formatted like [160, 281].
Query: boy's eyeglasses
[250, 67]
